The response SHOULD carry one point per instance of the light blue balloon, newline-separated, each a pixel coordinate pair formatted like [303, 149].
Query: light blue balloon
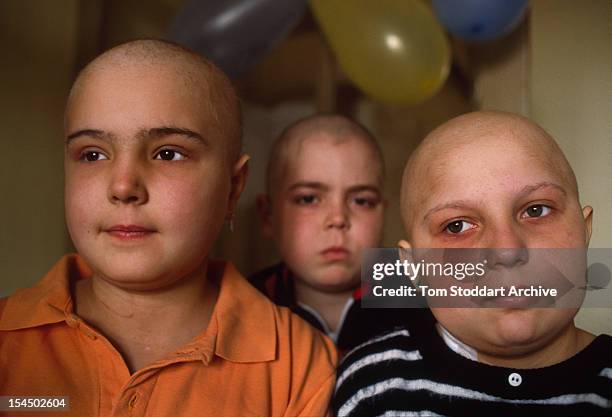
[479, 20]
[235, 34]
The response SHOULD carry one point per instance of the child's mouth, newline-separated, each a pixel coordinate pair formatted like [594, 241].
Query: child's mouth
[335, 254]
[129, 232]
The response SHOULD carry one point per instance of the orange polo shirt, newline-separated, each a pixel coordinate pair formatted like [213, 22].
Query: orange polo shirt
[254, 359]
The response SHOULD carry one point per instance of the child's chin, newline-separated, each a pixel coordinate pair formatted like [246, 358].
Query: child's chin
[334, 286]
[337, 281]
[134, 276]
[526, 329]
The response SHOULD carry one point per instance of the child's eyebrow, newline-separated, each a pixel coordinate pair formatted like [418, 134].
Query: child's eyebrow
[309, 184]
[323, 187]
[458, 204]
[154, 133]
[98, 134]
[159, 132]
[528, 189]
[365, 187]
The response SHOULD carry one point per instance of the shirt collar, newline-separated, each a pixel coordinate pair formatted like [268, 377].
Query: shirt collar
[48, 301]
[242, 327]
[243, 319]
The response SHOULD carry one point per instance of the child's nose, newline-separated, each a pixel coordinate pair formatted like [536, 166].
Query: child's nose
[507, 247]
[127, 185]
[338, 217]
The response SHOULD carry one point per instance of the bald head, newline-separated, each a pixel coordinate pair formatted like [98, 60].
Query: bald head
[480, 137]
[192, 73]
[334, 127]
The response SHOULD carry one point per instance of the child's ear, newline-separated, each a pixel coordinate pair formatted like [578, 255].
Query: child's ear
[405, 250]
[240, 172]
[264, 209]
[587, 213]
[406, 255]
[404, 244]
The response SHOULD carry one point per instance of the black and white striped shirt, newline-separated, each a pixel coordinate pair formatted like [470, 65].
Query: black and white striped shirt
[399, 375]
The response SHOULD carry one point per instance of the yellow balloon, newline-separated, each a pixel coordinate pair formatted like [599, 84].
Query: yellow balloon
[394, 50]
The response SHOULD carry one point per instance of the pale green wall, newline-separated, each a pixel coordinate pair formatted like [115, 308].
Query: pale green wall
[571, 97]
[42, 42]
[36, 64]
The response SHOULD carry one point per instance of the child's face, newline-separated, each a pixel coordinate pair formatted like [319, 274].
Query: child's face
[327, 209]
[494, 193]
[148, 183]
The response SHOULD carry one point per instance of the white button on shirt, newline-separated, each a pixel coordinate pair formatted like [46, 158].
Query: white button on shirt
[515, 379]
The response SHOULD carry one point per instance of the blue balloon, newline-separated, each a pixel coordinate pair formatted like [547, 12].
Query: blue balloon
[235, 34]
[479, 20]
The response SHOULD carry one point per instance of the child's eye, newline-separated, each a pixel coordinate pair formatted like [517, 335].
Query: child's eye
[170, 155]
[306, 200]
[537, 210]
[92, 156]
[366, 202]
[458, 226]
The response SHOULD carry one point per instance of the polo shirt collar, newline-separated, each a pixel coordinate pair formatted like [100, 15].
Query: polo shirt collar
[242, 328]
[48, 301]
[244, 319]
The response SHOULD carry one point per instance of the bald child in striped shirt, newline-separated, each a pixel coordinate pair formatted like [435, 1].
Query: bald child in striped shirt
[487, 180]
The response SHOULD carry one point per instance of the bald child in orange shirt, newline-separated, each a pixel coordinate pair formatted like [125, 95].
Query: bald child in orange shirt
[140, 322]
